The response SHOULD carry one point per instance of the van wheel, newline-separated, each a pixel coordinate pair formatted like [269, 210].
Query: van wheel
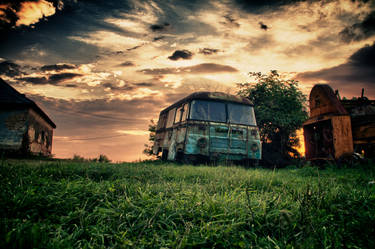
[164, 155]
[251, 163]
[188, 159]
[180, 157]
[195, 159]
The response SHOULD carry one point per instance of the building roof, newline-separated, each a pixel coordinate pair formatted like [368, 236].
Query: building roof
[323, 100]
[359, 107]
[10, 97]
[218, 96]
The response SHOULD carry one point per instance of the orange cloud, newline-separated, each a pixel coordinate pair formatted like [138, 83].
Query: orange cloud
[32, 12]
[3, 17]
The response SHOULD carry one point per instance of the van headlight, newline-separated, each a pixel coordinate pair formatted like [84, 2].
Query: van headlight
[254, 147]
[202, 142]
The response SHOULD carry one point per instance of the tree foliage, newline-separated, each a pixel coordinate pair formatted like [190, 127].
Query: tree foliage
[279, 107]
[152, 130]
[101, 159]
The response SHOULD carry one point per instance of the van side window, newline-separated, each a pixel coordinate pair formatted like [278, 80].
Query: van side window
[170, 119]
[162, 121]
[178, 114]
[181, 113]
[185, 112]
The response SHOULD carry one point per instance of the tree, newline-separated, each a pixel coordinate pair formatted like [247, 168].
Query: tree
[279, 108]
[103, 159]
[151, 138]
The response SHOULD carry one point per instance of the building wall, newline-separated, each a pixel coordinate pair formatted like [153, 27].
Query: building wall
[39, 134]
[25, 131]
[342, 135]
[13, 127]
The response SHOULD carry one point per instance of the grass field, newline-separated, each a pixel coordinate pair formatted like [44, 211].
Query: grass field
[57, 204]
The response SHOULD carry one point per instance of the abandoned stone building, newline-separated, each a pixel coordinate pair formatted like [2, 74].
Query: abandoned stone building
[25, 129]
[338, 127]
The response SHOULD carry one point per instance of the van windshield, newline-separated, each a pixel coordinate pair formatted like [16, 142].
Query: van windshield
[241, 114]
[217, 112]
[208, 110]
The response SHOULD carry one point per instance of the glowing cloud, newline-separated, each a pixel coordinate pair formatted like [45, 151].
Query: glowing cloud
[32, 12]
[134, 132]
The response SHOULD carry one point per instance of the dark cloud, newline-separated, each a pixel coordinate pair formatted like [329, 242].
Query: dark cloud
[263, 26]
[360, 31]
[144, 84]
[208, 51]
[35, 80]
[181, 54]
[57, 67]
[56, 78]
[134, 48]
[197, 69]
[364, 57]
[7, 21]
[158, 38]
[52, 79]
[260, 6]
[71, 85]
[229, 20]
[159, 27]
[342, 74]
[127, 64]
[357, 72]
[10, 69]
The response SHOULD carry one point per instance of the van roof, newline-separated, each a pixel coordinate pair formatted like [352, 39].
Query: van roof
[220, 96]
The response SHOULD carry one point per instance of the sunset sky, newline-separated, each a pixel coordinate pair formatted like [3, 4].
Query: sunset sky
[102, 69]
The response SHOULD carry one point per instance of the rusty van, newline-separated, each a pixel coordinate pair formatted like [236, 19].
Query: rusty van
[208, 127]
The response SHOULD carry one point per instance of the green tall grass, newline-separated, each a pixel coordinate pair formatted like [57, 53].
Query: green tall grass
[153, 205]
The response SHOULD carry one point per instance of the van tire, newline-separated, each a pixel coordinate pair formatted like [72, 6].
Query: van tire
[180, 157]
[164, 155]
[188, 159]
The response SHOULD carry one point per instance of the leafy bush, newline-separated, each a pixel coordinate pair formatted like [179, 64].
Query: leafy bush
[280, 110]
[101, 159]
